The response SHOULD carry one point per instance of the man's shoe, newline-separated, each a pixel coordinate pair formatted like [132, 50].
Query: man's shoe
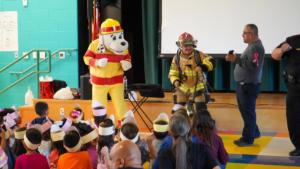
[241, 143]
[295, 152]
[257, 136]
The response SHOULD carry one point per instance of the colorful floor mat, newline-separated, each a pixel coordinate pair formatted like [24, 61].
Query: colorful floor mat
[268, 152]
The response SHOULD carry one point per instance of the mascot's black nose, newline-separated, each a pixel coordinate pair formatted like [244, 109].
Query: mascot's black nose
[123, 43]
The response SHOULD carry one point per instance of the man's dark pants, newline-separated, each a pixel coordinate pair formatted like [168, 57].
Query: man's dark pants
[293, 113]
[246, 97]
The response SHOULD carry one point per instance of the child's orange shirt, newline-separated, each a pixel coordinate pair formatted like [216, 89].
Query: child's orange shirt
[76, 160]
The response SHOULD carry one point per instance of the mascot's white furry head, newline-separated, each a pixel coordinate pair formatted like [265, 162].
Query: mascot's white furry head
[112, 38]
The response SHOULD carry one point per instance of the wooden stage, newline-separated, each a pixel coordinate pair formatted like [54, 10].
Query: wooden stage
[270, 111]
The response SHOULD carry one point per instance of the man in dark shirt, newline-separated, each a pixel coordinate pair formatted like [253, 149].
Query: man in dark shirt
[247, 74]
[289, 51]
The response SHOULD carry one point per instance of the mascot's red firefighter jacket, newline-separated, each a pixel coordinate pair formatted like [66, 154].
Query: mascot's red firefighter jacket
[112, 73]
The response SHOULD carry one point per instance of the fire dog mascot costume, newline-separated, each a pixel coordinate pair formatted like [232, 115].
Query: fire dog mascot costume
[108, 58]
[187, 73]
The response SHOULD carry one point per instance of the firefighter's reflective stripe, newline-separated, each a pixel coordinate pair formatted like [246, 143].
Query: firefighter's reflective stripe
[186, 89]
[174, 73]
[189, 73]
[206, 61]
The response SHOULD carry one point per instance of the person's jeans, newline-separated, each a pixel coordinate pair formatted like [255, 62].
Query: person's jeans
[246, 97]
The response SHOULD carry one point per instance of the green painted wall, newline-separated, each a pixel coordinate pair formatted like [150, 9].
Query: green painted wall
[46, 24]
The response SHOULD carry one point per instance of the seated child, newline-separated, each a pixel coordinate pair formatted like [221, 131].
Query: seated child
[32, 159]
[9, 121]
[42, 110]
[57, 135]
[168, 140]
[77, 115]
[89, 137]
[74, 158]
[130, 131]
[3, 156]
[204, 127]
[160, 131]
[18, 147]
[106, 132]
[99, 113]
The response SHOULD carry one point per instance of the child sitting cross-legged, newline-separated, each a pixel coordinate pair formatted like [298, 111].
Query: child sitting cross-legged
[89, 137]
[106, 132]
[42, 110]
[99, 113]
[18, 147]
[74, 158]
[160, 131]
[32, 159]
[57, 135]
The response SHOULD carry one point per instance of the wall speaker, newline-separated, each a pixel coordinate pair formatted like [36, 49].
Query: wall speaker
[85, 87]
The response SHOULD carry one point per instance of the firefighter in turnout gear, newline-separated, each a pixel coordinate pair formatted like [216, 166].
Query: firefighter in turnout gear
[187, 74]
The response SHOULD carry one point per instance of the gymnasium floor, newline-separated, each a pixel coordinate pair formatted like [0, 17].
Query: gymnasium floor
[268, 152]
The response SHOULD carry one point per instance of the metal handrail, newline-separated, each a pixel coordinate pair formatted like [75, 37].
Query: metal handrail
[29, 68]
[37, 72]
[16, 82]
[69, 51]
[20, 58]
